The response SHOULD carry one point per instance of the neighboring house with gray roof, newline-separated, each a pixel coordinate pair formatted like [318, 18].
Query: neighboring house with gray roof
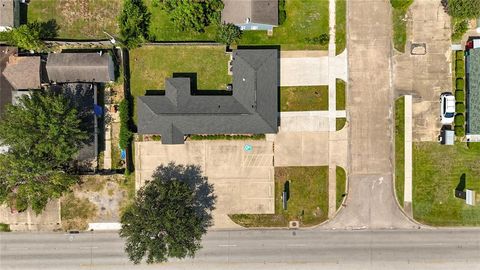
[473, 94]
[80, 67]
[251, 108]
[25, 72]
[251, 14]
[9, 14]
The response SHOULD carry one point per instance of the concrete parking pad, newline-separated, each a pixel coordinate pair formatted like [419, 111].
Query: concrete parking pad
[425, 77]
[48, 220]
[243, 180]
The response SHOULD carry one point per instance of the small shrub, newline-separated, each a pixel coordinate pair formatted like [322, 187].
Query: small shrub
[459, 131]
[459, 83]
[126, 135]
[474, 146]
[4, 227]
[282, 13]
[459, 95]
[401, 4]
[460, 68]
[459, 120]
[459, 55]
[460, 27]
[460, 107]
[228, 34]
[323, 39]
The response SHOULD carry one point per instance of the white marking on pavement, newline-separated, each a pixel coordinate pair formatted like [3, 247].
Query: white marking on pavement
[227, 245]
[296, 245]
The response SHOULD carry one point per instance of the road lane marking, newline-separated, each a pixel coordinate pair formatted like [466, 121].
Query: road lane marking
[296, 245]
[88, 247]
[227, 245]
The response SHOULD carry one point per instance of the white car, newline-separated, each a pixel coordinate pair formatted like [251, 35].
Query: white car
[447, 108]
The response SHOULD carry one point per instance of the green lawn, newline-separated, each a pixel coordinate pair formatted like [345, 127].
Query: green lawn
[79, 19]
[308, 200]
[341, 185]
[340, 95]
[340, 123]
[400, 148]
[162, 29]
[306, 19]
[437, 171]
[340, 25]
[304, 98]
[399, 10]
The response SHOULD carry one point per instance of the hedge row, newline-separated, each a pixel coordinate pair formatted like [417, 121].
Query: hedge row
[228, 137]
[126, 134]
[459, 84]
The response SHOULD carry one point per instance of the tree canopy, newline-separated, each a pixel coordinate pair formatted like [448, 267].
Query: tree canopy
[193, 15]
[229, 34]
[29, 36]
[464, 9]
[134, 21]
[42, 135]
[169, 216]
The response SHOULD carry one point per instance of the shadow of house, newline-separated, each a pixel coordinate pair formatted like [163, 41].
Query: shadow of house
[251, 108]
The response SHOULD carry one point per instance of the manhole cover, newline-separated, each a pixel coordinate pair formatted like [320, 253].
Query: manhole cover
[418, 49]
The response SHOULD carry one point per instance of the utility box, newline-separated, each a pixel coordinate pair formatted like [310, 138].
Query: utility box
[448, 137]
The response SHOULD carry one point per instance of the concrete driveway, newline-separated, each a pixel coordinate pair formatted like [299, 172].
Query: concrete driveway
[243, 180]
[370, 202]
[425, 76]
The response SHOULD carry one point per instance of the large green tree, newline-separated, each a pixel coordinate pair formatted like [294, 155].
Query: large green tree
[134, 21]
[464, 9]
[29, 36]
[169, 215]
[43, 133]
[194, 15]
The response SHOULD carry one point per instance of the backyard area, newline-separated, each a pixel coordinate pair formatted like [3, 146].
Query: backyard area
[438, 170]
[304, 98]
[307, 199]
[71, 16]
[305, 21]
[151, 65]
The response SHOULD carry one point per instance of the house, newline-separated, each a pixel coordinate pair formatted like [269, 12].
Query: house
[250, 108]
[472, 61]
[5, 87]
[9, 14]
[80, 67]
[251, 14]
[25, 72]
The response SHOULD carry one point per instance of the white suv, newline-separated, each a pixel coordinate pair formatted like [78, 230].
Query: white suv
[447, 108]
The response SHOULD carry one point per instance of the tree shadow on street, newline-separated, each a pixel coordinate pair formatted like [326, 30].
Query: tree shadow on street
[192, 176]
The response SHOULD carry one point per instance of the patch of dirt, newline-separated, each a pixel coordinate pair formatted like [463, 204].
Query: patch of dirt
[107, 194]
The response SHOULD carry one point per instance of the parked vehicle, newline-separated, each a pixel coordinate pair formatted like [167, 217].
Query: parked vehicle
[447, 108]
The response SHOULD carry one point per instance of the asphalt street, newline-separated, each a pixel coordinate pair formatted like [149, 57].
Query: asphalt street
[255, 249]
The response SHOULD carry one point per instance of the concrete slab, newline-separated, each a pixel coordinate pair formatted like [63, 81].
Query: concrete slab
[301, 149]
[302, 71]
[243, 181]
[48, 220]
[304, 121]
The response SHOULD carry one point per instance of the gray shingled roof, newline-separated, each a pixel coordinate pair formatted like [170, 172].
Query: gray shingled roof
[251, 109]
[80, 67]
[9, 13]
[258, 11]
[23, 72]
[473, 94]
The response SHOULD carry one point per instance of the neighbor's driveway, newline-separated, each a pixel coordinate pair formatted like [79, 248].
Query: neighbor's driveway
[243, 181]
[426, 76]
